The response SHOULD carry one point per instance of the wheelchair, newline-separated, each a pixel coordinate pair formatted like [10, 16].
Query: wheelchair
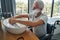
[50, 30]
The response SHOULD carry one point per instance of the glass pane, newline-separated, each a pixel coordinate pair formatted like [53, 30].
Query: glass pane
[47, 7]
[21, 6]
[56, 10]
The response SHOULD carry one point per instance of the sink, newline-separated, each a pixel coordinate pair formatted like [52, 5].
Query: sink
[16, 28]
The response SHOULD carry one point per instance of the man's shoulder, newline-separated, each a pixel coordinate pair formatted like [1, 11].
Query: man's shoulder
[44, 15]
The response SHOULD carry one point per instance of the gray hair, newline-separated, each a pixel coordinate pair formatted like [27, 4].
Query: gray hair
[40, 3]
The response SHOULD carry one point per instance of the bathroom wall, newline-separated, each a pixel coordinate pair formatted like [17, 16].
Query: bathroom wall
[0, 14]
[0, 9]
[0, 3]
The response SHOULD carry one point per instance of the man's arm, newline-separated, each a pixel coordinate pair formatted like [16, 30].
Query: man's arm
[22, 16]
[30, 23]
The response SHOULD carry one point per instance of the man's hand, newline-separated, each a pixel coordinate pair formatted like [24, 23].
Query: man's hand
[12, 21]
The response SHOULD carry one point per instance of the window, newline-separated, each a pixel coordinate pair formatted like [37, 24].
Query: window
[56, 10]
[21, 6]
[47, 7]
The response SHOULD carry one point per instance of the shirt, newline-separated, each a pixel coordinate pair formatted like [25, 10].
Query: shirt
[40, 30]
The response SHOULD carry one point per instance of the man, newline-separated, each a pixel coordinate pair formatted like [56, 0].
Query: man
[39, 21]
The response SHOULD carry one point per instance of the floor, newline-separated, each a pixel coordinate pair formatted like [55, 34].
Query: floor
[56, 37]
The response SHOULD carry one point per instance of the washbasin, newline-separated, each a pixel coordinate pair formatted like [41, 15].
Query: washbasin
[16, 28]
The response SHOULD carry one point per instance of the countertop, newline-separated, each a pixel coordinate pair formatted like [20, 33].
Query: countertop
[27, 35]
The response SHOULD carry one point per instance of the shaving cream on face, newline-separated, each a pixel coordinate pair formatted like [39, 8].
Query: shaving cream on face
[35, 12]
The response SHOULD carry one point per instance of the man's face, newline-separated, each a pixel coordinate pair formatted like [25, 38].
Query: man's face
[35, 6]
[35, 12]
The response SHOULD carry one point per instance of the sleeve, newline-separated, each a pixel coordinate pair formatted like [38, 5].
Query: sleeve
[44, 18]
